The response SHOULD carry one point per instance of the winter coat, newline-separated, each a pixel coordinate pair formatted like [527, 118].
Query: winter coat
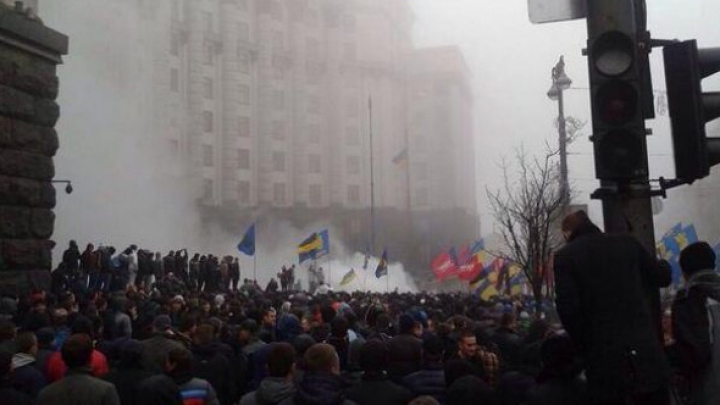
[559, 392]
[607, 296]
[430, 380]
[11, 396]
[126, 381]
[81, 388]
[319, 389]
[212, 365]
[405, 355]
[155, 351]
[56, 367]
[696, 330]
[272, 391]
[378, 390]
[26, 378]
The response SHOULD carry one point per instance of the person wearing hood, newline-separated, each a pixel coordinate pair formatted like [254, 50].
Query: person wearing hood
[278, 385]
[375, 388]
[8, 394]
[26, 377]
[211, 364]
[608, 298]
[695, 319]
[71, 258]
[177, 386]
[321, 383]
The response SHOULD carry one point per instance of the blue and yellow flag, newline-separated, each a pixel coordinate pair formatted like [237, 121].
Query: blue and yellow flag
[382, 267]
[348, 278]
[247, 244]
[324, 244]
[308, 248]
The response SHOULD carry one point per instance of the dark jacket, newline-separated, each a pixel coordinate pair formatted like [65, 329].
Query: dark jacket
[559, 392]
[212, 365]
[405, 355]
[11, 396]
[26, 377]
[430, 380]
[319, 389]
[159, 389]
[79, 387]
[607, 296]
[126, 382]
[155, 351]
[272, 391]
[509, 343]
[378, 390]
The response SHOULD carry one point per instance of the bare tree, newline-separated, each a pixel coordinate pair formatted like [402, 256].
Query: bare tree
[527, 210]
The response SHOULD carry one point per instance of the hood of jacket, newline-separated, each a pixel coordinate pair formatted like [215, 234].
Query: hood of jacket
[22, 359]
[320, 389]
[706, 281]
[273, 390]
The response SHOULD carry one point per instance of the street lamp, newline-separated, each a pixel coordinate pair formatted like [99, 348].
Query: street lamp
[560, 83]
[68, 187]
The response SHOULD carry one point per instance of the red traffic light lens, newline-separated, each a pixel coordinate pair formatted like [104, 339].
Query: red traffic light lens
[621, 153]
[613, 53]
[617, 102]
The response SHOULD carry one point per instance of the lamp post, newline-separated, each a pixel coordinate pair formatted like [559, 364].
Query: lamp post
[68, 185]
[560, 83]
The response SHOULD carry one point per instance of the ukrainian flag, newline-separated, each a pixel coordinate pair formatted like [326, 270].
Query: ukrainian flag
[308, 248]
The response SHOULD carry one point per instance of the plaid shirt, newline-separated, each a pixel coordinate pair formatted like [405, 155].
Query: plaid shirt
[491, 365]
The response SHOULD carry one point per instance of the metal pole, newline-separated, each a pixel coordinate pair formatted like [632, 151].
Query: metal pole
[562, 142]
[372, 180]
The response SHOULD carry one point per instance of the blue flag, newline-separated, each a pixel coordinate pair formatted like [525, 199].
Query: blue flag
[382, 267]
[247, 244]
[325, 244]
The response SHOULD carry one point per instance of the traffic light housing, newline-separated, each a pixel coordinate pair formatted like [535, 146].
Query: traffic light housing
[690, 108]
[617, 96]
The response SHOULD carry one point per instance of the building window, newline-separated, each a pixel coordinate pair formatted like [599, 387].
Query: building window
[353, 194]
[244, 127]
[208, 54]
[421, 197]
[312, 132]
[314, 164]
[244, 94]
[244, 192]
[174, 45]
[244, 32]
[174, 147]
[350, 51]
[207, 21]
[278, 161]
[352, 164]
[244, 159]
[243, 61]
[207, 155]
[207, 189]
[278, 130]
[174, 80]
[421, 172]
[276, 41]
[208, 88]
[278, 99]
[279, 193]
[315, 194]
[207, 118]
[352, 136]
[351, 107]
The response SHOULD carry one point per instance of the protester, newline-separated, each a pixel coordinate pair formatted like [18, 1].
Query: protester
[321, 383]
[8, 394]
[375, 388]
[607, 289]
[279, 384]
[26, 377]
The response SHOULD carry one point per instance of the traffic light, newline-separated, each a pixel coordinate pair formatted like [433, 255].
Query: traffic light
[690, 108]
[616, 83]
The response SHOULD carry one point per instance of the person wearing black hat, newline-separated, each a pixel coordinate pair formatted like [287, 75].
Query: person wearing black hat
[695, 320]
[430, 380]
[405, 350]
[375, 388]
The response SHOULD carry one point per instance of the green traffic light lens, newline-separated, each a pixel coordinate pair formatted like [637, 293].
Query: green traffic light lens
[618, 102]
[613, 53]
[621, 152]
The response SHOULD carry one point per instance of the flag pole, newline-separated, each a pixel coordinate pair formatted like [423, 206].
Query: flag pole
[372, 178]
[256, 250]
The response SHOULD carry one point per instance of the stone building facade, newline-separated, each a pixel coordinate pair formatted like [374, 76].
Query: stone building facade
[29, 54]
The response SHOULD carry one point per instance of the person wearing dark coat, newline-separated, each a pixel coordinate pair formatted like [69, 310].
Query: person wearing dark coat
[129, 373]
[607, 296]
[405, 350]
[375, 388]
[508, 341]
[321, 383]
[8, 394]
[78, 386]
[278, 385]
[210, 364]
[559, 381]
[157, 347]
[695, 308]
[470, 390]
[26, 377]
[430, 380]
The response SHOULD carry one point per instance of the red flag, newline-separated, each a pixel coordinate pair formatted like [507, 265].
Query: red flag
[443, 266]
[470, 270]
[464, 255]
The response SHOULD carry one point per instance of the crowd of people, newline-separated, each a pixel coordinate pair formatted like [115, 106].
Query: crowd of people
[172, 330]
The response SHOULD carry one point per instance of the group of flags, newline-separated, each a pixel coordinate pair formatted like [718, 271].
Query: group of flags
[314, 247]
[674, 241]
[486, 274]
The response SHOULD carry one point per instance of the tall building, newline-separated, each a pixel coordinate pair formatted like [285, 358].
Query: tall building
[311, 111]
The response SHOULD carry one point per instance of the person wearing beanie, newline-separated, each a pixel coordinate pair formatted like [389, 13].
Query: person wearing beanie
[405, 350]
[695, 308]
[375, 388]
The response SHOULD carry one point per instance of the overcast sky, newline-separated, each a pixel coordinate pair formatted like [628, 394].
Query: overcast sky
[511, 59]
